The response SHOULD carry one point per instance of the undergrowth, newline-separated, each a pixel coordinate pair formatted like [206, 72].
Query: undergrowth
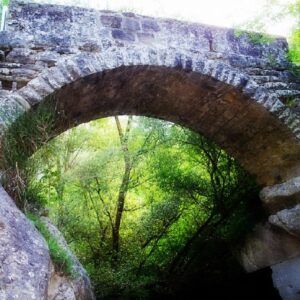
[26, 135]
[60, 258]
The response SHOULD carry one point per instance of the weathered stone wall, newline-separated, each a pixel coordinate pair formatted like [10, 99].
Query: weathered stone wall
[38, 36]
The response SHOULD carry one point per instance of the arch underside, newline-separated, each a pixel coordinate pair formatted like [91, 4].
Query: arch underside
[223, 113]
[227, 92]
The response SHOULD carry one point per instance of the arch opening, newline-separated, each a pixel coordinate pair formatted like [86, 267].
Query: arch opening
[221, 112]
[165, 217]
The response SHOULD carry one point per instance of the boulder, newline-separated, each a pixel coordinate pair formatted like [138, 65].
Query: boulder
[26, 270]
[24, 256]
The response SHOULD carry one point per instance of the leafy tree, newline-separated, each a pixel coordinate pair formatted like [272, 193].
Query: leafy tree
[135, 197]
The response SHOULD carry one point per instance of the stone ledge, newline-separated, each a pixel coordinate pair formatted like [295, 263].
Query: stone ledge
[281, 196]
[288, 219]
[268, 245]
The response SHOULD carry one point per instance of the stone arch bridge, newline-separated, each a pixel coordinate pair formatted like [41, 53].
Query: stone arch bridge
[230, 87]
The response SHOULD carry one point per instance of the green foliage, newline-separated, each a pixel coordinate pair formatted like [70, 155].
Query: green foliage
[294, 51]
[255, 38]
[4, 2]
[60, 258]
[179, 181]
[29, 132]
[294, 40]
[25, 136]
[290, 102]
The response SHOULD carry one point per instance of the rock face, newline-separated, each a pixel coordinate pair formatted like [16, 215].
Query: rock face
[288, 219]
[24, 257]
[268, 245]
[64, 288]
[26, 271]
[286, 278]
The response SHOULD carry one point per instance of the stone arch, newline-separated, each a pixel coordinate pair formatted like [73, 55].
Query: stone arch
[247, 117]
[213, 98]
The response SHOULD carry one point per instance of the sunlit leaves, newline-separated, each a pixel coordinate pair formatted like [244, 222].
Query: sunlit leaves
[178, 181]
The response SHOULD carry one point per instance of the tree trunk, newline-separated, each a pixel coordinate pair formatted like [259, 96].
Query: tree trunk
[123, 188]
[120, 209]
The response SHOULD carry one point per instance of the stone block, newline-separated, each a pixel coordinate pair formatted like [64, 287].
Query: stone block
[268, 245]
[111, 21]
[288, 219]
[281, 196]
[129, 14]
[150, 25]
[123, 35]
[145, 37]
[131, 24]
